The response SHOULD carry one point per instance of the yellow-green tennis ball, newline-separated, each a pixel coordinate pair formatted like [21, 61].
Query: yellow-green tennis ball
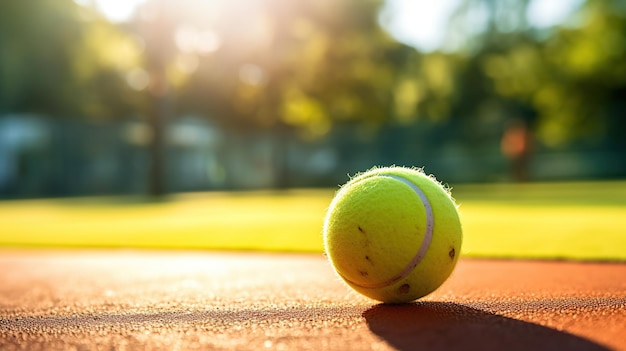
[393, 234]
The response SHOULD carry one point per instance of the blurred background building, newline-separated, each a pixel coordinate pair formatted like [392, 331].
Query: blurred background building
[157, 96]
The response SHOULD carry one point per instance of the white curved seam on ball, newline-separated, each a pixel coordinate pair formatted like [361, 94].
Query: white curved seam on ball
[423, 247]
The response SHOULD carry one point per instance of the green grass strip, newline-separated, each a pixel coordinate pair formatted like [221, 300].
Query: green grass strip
[581, 221]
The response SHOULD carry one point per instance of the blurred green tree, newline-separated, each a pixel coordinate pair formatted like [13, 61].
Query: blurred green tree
[581, 91]
[289, 67]
[304, 65]
[60, 59]
[567, 81]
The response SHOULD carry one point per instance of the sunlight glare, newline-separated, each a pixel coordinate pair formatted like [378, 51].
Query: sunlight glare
[550, 13]
[421, 24]
[191, 40]
[117, 10]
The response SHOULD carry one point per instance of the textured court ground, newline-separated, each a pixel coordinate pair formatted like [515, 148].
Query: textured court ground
[181, 300]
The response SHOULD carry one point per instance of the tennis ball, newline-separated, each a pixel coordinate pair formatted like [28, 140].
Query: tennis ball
[393, 234]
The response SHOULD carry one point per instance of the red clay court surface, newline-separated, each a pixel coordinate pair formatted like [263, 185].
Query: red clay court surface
[160, 300]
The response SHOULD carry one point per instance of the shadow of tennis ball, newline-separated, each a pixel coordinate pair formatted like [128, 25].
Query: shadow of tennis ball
[449, 326]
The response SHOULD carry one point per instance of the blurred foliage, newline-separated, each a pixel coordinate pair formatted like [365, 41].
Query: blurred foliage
[61, 59]
[568, 82]
[302, 64]
[310, 65]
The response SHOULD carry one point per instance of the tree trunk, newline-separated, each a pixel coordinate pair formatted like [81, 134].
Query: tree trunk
[281, 156]
[157, 179]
